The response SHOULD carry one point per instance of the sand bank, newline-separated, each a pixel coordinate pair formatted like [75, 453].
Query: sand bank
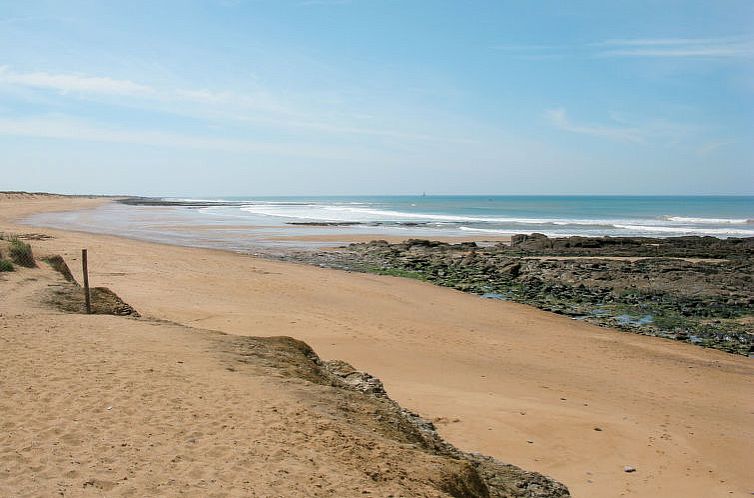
[523, 385]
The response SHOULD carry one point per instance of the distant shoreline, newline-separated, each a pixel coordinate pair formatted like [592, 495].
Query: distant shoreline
[267, 225]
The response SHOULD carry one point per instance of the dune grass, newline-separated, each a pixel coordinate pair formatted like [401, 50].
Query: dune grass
[20, 253]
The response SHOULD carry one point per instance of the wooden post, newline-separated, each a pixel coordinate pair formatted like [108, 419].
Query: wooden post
[87, 298]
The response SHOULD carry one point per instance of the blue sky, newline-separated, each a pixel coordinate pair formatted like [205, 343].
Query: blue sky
[318, 97]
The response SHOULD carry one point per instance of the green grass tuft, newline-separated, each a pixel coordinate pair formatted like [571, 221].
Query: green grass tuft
[6, 265]
[20, 253]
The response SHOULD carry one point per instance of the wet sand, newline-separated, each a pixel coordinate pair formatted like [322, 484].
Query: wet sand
[180, 225]
[526, 386]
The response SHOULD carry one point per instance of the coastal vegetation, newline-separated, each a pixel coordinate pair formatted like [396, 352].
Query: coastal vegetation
[5, 265]
[20, 253]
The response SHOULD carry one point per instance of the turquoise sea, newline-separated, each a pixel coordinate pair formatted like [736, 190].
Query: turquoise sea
[504, 215]
[251, 223]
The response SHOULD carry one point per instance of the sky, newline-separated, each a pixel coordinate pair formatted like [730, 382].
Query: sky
[338, 97]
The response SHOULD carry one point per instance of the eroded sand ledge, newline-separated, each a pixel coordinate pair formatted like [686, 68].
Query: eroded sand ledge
[681, 416]
[143, 407]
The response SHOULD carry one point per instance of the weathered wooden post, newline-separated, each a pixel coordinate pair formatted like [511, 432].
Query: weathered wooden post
[87, 298]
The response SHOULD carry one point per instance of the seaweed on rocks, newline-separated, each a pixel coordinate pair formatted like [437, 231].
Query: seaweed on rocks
[698, 290]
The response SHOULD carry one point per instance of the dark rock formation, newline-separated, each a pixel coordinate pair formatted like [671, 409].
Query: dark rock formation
[695, 289]
[537, 244]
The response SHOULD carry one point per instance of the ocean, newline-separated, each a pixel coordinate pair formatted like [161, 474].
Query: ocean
[506, 215]
[243, 222]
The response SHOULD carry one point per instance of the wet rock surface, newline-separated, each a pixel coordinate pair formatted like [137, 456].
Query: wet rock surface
[693, 289]
[670, 247]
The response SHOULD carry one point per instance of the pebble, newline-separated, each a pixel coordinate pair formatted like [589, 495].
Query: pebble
[628, 468]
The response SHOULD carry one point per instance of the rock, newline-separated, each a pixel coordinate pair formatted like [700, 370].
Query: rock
[629, 469]
[361, 381]
[699, 302]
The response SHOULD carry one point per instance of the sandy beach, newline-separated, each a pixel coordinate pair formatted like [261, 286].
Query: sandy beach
[573, 401]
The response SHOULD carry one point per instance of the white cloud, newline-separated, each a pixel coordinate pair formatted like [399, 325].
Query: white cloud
[723, 47]
[712, 146]
[666, 41]
[710, 48]
[631, 129]
[74, 83]
[259, 107]
[559, 118]
[257, 101]
[204, 96]
[70, 129]
[85, 85]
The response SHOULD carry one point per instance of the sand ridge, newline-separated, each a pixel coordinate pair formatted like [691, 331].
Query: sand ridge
[526, 386]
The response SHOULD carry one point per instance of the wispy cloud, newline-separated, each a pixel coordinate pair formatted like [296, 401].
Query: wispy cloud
[512, 47]
[630, 129]
[559, 118]
[66, 83]
[724, 47]
[256, 101]
[712, 146]
[259, 107]
[325, 2]
[534, 51]
[700, 48]
[73, 129]
[88, 85]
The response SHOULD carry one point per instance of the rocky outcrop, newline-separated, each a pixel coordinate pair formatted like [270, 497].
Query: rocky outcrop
[695, 289]
[537, 244]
